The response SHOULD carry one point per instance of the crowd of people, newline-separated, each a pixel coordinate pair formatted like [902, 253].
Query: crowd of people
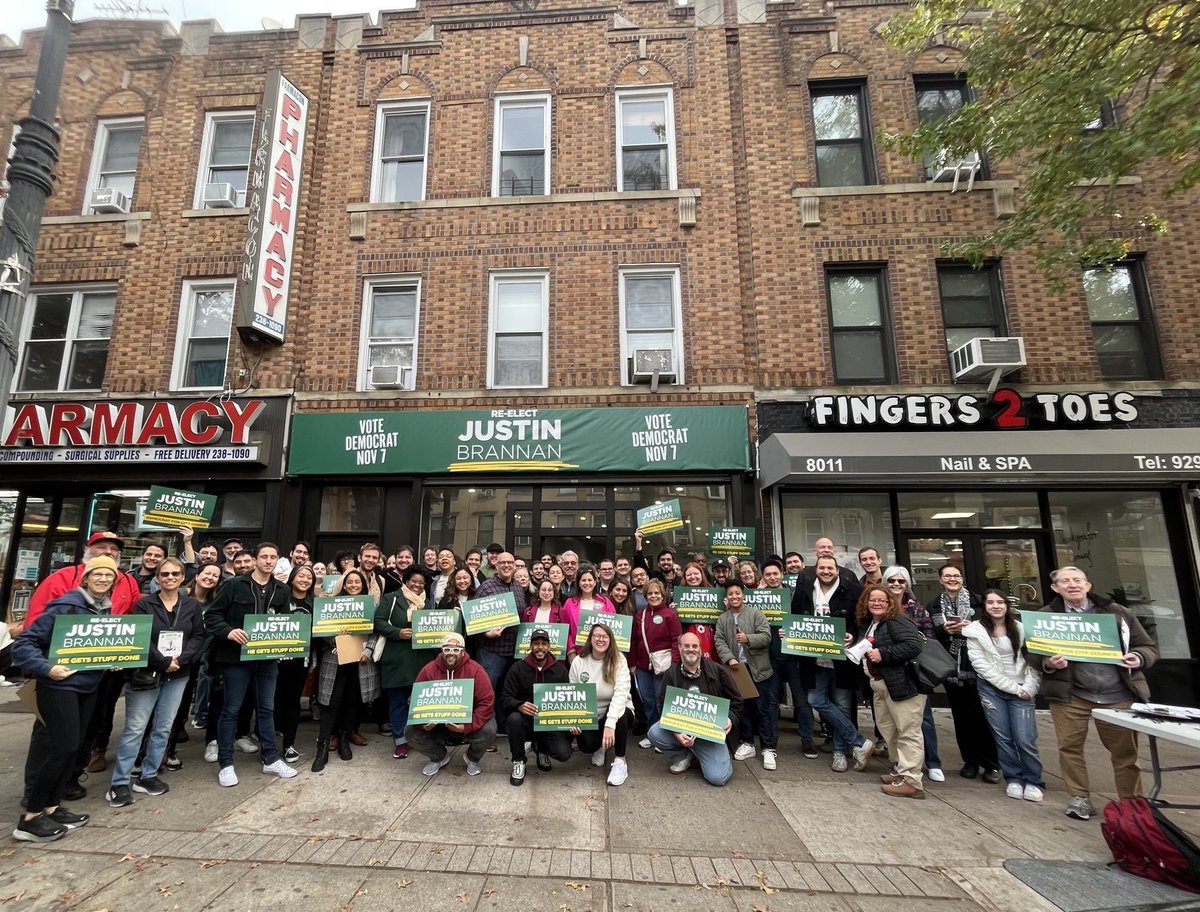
[196, 673]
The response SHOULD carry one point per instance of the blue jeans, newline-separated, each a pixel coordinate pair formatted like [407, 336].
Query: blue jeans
[1013, 723]
[237, 677]
[496, 667]
[162, 703]
[649, 687]
[786, 672]
[398, 698]
[715, 762]
[761, 716]
[833, 703]
[929, 734]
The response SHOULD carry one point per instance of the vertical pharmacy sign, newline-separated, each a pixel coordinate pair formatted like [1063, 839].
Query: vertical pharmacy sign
[273, 197]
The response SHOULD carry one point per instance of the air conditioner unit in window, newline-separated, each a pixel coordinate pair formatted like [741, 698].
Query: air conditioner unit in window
[108, 200]
[389, 376]
[982, 358]
[220, 196]
[946, 168]
[650, 365]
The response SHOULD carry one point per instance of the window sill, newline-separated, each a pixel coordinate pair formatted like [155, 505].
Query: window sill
[548, 199]
[93, 219]
[213, 213]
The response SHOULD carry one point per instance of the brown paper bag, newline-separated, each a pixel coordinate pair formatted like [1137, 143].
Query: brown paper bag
[349, 647]
[745, 684]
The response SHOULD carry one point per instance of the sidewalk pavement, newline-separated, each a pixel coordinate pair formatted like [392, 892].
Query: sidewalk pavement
[374, 834]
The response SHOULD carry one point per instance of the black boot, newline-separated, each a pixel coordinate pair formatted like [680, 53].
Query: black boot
[322, 756]
[344, 747]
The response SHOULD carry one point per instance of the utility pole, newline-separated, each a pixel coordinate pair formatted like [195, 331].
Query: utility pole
[31, 177]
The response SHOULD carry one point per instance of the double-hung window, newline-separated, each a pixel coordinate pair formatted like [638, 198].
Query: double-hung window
[1122, 325]
[66, 339]
[389, 340]
[401, 147]
[518, 337]
[521, 164]
[859, 325]
[202, 347]
[650, 320]
[843, 136]
[225, 159]
[938, 97]
[972, 304]
[645, 140]
[115, 157]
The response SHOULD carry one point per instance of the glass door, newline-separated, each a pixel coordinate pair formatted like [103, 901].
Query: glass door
[1014, 564]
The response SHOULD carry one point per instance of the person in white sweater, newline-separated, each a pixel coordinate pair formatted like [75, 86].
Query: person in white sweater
[1007, 685]
[600, 662]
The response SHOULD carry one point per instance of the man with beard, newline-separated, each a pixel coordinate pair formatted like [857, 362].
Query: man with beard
[516, 702]
[435, 739]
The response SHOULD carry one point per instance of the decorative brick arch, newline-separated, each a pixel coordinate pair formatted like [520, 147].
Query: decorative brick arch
[615, 82]
[376, 94]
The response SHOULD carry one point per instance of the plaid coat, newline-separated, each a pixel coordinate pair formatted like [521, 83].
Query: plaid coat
[368, 675]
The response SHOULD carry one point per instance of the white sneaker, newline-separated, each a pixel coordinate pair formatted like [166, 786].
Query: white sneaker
[210, 752]
[936, 774]
[246, 745]
[227, 777]
[839, 762]
[473, 768]
[683, 764]
[280, 769]
[619, 772]
[744, 752]
[431, 768]
[598, 757]
[1015, 790]
[1033, 793]
[863, 754]
[768, 758]
[645, 744]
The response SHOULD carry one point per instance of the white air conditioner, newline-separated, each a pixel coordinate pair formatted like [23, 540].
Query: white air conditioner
[108, 200]
[389, 376]
[220, 196]
[946, 169]
[983, 358]
[651, 364]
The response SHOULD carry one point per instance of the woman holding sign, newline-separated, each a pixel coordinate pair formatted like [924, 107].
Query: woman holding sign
[588, 599]
[65, 699]
[600, 663]
[399, 665]
[654, 648]
[289, 685]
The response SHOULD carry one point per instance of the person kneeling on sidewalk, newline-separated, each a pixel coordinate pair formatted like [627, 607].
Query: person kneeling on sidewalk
[516, 702]
[434, 739]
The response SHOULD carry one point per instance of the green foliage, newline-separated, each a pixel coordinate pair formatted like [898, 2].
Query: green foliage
[1042, 72]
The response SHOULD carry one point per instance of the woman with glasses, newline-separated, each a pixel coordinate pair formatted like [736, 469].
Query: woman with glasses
[600, 662]
[899, 583]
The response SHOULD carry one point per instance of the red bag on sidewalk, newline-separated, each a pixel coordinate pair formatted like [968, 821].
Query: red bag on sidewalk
[1144, 842]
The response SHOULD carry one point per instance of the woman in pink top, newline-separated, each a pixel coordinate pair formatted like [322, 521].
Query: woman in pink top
[587, 599]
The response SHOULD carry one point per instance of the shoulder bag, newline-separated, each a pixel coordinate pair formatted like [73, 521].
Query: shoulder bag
[932, 666]
[660, 659]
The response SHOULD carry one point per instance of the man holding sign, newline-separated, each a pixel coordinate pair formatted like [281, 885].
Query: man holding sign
[433, 739]
[517, 704]
[1074, 687]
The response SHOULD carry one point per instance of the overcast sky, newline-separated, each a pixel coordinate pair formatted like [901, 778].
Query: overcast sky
[234, 15]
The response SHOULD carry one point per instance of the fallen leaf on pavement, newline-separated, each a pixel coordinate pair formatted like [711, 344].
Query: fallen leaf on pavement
[576, 886]
[6, 853]
[374, 861]
[737, 855]
[438, 850]
[212, 863]
[67, 896]
[461, 896]
[126, 857]
[12, 897]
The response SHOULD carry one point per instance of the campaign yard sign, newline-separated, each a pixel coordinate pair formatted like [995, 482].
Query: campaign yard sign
[431, 625]
[329, 582]
[731, 541]
[491, 611]
[789, 580]
[817, 637]
[620, 624]
[692, 712]
[660, 517]
[559, 633]
[87, 642]
[349, 613]
[442, 701]
[561, 707]
[769, 601]
[1076, 637]
[171, 508]
[276, 636]
[699, 604]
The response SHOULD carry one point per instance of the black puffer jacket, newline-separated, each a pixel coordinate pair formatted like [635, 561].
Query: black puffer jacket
[899, 642]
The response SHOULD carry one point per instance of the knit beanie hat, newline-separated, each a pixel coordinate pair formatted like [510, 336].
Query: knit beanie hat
[102, 562]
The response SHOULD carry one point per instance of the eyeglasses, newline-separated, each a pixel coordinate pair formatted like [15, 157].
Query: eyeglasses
[452, 650]
[170, 573]
[897, 582]
[951, 576]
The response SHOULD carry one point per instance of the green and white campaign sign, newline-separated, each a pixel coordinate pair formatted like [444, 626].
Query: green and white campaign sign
[276, 636]
[620, 624]
[349, 613]
[171, 508]
[86, 642]
[329, 582]
[489, 612]
[559, 634]
[769, 601]
[660, 517]
[452, 700]
[698, 604]
[1075, 637]
[430, 627]
[691, 712]
[564, 706]
[731, 541]
[789, 580]
[818, 637]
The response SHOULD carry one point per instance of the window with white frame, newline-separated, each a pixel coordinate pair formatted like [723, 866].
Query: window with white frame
[401, 147]
[521, 161]
[225, 157]
[115, 157]
[66, 338]
[202, 347]
[517, 329]
[650, 320]
[645, 140]
[388, 352]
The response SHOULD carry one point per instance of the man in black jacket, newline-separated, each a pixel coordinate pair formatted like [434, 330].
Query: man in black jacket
[516, 701]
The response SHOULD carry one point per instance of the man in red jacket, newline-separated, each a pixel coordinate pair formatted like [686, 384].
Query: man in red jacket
[125, 593]
[435, 739]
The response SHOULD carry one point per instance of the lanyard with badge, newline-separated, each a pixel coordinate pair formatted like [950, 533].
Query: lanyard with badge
[170, 642]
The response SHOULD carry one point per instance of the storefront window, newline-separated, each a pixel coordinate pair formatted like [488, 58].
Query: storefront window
[1119, 538]
[969, 510]
[462, 518]
[351, 508]
[240, 510]
[852, 521]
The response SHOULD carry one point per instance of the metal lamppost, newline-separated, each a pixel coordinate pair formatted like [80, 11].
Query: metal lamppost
[31, 179]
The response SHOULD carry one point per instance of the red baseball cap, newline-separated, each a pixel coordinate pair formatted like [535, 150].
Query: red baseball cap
[108, 537]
